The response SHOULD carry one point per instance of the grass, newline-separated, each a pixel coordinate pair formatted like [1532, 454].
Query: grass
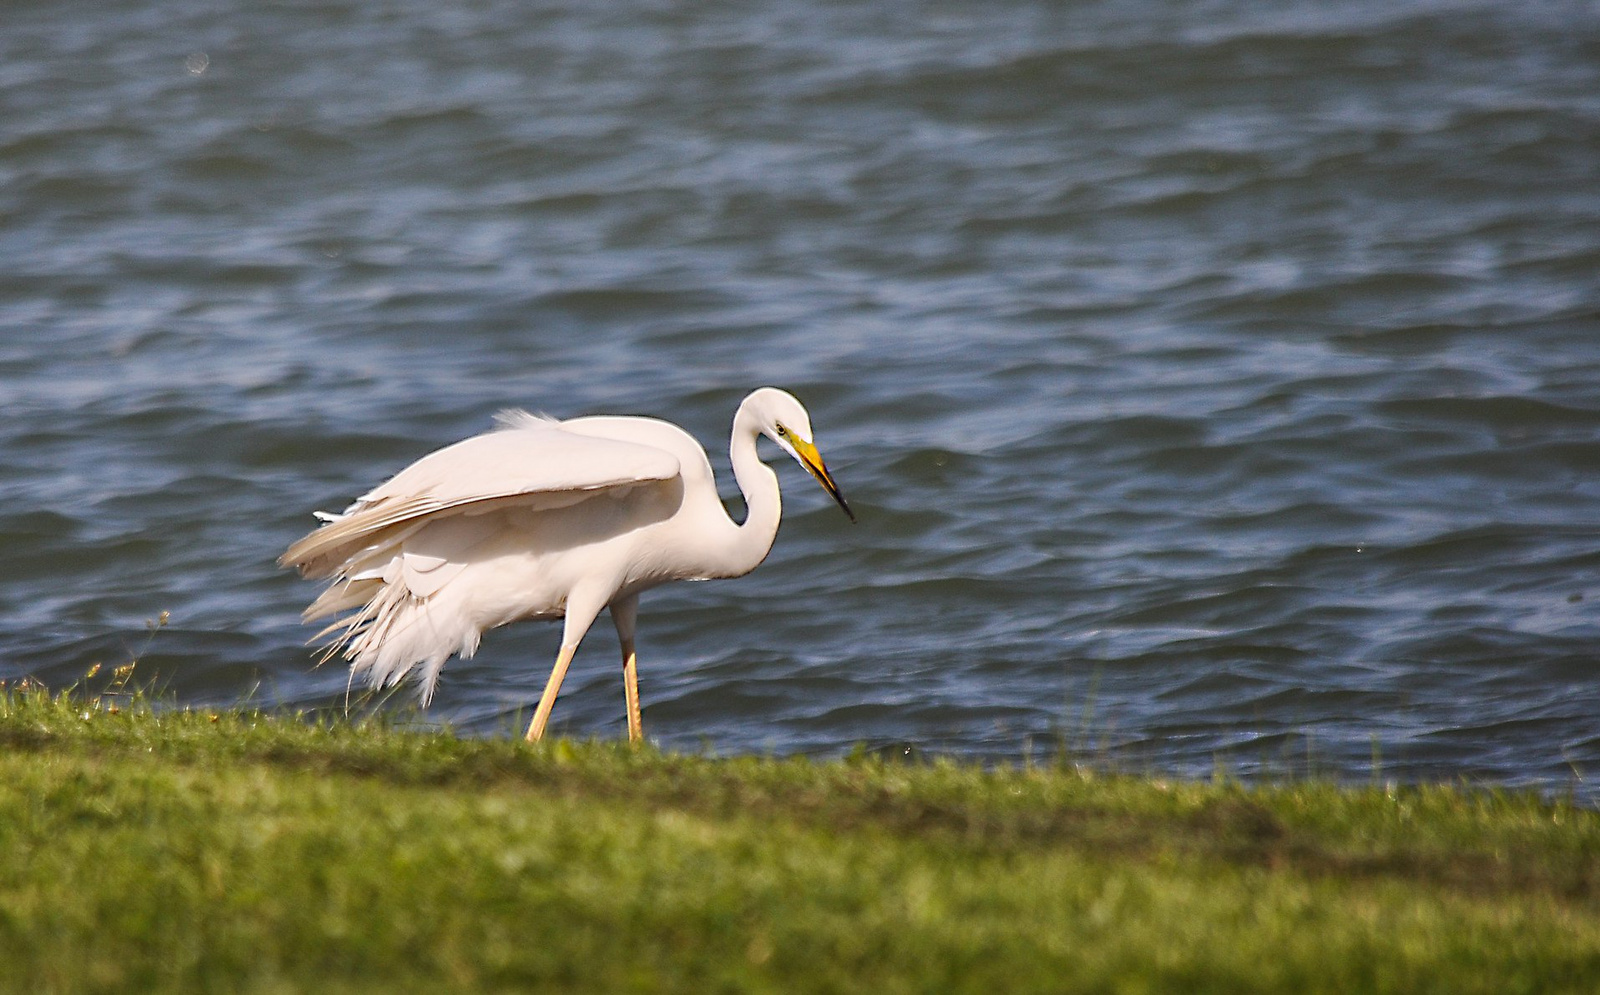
[152, 850]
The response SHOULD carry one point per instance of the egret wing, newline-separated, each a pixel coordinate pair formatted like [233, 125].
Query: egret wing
[529, 463]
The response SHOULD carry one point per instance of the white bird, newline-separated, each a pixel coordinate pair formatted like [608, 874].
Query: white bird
[543, 519]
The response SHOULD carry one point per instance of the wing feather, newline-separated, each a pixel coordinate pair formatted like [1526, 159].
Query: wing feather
[530, 462]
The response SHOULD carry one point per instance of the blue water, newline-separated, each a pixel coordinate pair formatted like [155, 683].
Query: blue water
[1217, 384]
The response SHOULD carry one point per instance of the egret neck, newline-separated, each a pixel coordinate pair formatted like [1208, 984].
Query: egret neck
[762, 501]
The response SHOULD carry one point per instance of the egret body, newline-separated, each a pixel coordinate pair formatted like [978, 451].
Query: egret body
[543, 519]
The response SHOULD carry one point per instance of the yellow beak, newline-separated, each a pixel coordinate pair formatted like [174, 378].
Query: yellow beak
[812, 461]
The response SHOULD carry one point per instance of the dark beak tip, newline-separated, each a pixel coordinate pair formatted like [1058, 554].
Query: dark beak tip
[844, 505]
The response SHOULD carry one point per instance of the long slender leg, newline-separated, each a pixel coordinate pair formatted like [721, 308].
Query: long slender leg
[582, 607]
[625, 615]
[630, 689]
[547, 701]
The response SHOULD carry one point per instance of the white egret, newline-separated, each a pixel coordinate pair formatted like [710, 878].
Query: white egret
[543, 519]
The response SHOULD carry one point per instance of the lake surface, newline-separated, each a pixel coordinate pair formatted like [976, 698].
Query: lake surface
[1218, 384]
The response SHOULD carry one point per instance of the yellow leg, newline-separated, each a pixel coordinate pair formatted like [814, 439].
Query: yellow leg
[547, 701]
[630, 688]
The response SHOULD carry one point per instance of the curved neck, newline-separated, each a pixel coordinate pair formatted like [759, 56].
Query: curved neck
[763, 503]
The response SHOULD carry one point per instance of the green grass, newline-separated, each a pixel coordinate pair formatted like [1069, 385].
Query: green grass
[175, 850]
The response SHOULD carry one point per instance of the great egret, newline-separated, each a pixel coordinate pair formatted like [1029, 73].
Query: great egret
[543, 519]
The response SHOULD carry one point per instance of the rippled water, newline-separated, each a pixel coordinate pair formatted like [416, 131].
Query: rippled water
[1218, 383]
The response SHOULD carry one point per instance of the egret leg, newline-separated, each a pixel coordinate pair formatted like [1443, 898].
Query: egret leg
[624, 614]
[630, 688]
[547, 701]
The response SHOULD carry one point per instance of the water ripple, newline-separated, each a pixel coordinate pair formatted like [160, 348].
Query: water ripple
[1216, 385]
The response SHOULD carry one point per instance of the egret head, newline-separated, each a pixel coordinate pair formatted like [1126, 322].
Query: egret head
[780, 417]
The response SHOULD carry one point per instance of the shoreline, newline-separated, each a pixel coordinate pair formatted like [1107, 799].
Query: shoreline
[246, 850]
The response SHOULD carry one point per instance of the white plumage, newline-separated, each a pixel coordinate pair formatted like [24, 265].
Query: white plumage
[542, 519]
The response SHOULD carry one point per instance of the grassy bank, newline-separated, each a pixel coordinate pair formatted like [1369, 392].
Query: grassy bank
[248, 852]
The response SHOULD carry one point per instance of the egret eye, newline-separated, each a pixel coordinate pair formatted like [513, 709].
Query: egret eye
[783, 433]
